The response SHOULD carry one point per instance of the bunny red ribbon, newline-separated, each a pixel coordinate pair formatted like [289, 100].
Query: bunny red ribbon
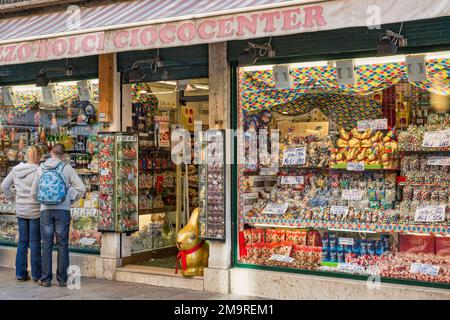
[182, 254]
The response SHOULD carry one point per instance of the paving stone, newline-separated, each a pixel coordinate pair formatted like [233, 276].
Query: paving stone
[92, 288]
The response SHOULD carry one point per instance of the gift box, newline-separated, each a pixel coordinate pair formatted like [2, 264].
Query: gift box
[416, 243]
[442, 245]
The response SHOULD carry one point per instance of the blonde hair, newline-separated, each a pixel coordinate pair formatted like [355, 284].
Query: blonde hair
[34, 154]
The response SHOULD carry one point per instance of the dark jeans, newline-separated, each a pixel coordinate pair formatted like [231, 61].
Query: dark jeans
[55, 223]
[29, 237]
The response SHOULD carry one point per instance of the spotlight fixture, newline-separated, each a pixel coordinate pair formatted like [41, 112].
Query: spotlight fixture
[42, 79]
[254, 51]
[389, 42]
[136, 74]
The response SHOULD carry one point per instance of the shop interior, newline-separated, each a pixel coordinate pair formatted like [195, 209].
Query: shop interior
[362, 183]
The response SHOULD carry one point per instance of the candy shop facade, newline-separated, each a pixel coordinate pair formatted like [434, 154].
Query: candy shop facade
[351, 203]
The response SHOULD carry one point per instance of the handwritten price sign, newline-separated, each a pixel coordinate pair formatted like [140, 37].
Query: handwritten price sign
[281, 258]
[352, 194]
[339, 210]
[273, 208]
[427, 269]
[377, 124]
[434, 213]
[294, 156]
[438, 161]
[292, 180]
[437, 139]
[355, 166]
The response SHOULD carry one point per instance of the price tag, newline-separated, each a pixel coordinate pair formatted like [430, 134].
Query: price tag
[355, 166]
[292, 180]
[346, 241]
[104, 172]
[273, 208]
[433, 213]
[281, 258]
[377, 124]
[119, 138]
[339, 210]
[436, 139]
[294, 156]
[352, 194]
[268, 171]
[427, 269]
[87, 241]
[438, 161]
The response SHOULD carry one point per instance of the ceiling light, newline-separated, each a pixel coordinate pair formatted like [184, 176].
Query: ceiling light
[380, 60]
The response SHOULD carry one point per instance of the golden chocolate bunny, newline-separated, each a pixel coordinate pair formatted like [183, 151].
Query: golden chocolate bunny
[193, 252]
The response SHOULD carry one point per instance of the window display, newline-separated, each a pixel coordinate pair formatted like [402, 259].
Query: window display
[352, 191]
[41, 119]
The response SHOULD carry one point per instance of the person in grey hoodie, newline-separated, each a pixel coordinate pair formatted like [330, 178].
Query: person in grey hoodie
[55, 219]
[28, 214]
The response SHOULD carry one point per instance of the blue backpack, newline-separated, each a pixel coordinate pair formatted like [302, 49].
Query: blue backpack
[52, 188]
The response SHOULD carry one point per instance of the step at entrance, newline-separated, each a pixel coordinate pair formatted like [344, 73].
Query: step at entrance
[161, 277]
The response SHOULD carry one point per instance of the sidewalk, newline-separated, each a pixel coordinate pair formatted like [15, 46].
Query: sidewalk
[98, 289]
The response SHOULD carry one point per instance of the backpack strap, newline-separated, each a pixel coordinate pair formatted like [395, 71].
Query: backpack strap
[59, 168]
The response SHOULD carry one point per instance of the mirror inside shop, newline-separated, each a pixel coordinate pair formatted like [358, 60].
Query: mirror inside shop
[360, 181]
[66, 113]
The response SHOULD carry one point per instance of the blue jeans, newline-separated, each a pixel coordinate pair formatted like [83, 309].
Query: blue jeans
[55, 223]
[29, 237]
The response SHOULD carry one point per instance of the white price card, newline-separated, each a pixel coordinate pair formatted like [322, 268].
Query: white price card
[271, 171]
[119, 138]
[376, 124]
[438, 161]
[87, 241]
[281, 258]
[104, 172]
[273, 208]
[436, 139]
[431, 213]
[339, 210]
[346, 241]
[427, 269]
[294, 156]
[355, 166]
[292, 180]
[352, 194]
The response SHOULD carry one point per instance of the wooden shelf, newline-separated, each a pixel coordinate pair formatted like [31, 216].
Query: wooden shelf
[157, 210]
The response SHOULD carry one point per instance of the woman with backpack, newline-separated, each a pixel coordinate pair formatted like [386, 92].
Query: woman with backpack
[28, 215]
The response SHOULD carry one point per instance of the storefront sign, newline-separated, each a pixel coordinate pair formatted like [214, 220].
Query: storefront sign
[433, 213]
[427, 269]
[355, 166]
[352, 194]
[273, 208]
[292, 180]
[294, 156]
[207, 27]
[436, 139]
[377, 124]
[438, 161]
[281, 258]
[339, 210]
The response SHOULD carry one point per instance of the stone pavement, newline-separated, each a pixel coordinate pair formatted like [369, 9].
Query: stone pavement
[98, 289]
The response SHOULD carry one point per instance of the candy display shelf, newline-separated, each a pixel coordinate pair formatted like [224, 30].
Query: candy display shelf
[419, 184]
[348, 226]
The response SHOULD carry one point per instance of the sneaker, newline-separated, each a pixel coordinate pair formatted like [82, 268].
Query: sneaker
[44, 284]
[62, 284]
[26, 278]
